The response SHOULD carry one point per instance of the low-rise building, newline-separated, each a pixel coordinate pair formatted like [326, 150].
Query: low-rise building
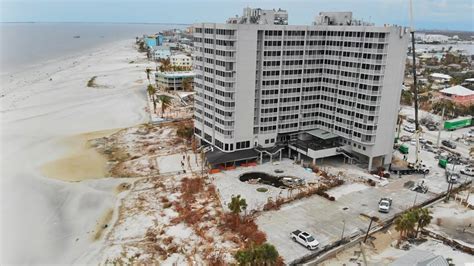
[459, 95]
[160, 52]
[172, 80]
[181, 60]
[440, 78]
[153, 40]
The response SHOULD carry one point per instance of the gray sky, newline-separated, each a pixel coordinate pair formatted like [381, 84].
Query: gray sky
[429, 14]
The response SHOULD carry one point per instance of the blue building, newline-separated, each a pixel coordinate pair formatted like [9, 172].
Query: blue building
[153, 40]
[159, 40]
[150, 41]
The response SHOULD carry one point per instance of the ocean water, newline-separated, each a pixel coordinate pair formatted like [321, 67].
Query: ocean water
[25, 44]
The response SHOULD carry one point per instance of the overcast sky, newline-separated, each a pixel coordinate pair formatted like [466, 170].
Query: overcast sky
[428, 14]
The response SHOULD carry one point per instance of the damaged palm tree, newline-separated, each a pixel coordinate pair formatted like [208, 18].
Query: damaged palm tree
[165, 103]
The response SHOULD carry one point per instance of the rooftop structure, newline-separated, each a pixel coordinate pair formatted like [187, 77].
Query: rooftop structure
[459, 94]
[418, 257]
[261, 16]
[440, 77]
[260, 84]
[339, 19]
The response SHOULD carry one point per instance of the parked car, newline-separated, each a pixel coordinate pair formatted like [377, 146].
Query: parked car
[429, 148]
[452, 177]
[468, 171]
[304, 239]
[409, 128]
[422, 140]
[410, 120]
[385, 204]
[413, 142]
[405, 138]
[449, 144]
[431, 127]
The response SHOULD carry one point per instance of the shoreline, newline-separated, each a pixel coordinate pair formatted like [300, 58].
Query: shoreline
[50, 64]
[47, 220]
[82, 162]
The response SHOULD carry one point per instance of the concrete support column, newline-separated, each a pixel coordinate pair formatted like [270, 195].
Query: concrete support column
[261, 158]
[370, 163]
[271, 158]
[281, 151]
[299, 156]
[314, 160]
[289, 152]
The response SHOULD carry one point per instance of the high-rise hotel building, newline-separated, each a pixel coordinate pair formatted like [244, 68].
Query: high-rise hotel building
[260, 81]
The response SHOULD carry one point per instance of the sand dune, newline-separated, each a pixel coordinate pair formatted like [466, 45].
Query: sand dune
[46, 113]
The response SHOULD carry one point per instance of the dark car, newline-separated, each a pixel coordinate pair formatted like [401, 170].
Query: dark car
[449, 144]
[431, 127]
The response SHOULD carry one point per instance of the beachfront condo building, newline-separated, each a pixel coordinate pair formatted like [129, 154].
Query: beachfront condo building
[173, 80]
[314, 91]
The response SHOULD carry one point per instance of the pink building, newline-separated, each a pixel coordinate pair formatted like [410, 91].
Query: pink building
[459, 94]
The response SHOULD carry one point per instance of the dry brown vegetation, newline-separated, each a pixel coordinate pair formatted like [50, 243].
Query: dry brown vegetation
[131, 152]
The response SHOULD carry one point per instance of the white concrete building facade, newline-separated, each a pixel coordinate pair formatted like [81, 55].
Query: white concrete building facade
[181, 60]
[262, 84]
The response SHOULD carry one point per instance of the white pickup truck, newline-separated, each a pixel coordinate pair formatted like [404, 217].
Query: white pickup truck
[468, 171]
[385, 204]
[304, 239]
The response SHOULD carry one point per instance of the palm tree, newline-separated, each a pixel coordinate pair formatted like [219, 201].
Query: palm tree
[424, 219]
[148, 71]
[165, 65]
[264, 254]
[268, 254]
[400, 122]
[165, 103]
[237, 204]
[187, 84]
[407, 97]
[151, 91]
[447, 104]
[405, 224]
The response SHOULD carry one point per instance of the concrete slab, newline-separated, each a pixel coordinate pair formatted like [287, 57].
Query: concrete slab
[325, 219]
[228, 183]
[178, 163]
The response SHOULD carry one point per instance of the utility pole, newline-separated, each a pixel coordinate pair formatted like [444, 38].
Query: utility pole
[368, 230]
[415, 84]
[468, 193]
[343, 228]
[416, 195]
[439, 128]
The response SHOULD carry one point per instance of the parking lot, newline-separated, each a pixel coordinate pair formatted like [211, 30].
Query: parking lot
[326, 220]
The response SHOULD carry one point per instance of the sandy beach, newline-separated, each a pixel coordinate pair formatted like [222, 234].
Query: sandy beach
[55, 192]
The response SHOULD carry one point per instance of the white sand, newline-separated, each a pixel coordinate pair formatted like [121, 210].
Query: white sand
[51, 221]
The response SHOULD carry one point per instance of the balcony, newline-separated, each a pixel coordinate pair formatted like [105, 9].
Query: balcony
[225, 47]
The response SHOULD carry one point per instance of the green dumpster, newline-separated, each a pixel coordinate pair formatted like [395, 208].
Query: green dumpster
[442, 163]
[403, 149]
